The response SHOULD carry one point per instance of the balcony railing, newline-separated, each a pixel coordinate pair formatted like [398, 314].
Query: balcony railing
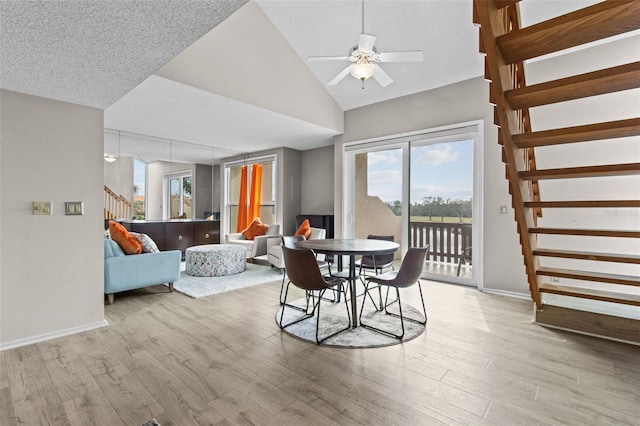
[447, 241]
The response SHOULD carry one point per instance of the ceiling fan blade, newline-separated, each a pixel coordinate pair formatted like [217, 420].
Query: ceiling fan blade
[366, 42]
[345, 72]
[328, 58]
[411, 56]
[380, 76]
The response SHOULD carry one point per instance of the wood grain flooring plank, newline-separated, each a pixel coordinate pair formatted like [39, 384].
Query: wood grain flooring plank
[298, 413]
[241, 410]
[131, 400]
[7, 415]
[182, 404]
[91, 408]
[222, 360]
[67, 371]
[34, 396]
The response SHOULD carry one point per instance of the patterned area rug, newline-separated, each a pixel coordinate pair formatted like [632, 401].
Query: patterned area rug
[334, 317]
[197, 287]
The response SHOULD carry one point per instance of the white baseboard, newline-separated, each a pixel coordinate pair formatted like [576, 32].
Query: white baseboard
[507, 293]
[53, 335]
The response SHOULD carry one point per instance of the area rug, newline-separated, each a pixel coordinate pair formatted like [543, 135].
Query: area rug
[197, 287]
[334, 317]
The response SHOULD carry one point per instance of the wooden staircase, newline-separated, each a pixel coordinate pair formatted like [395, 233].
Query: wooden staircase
[116, 206]
[506, 46]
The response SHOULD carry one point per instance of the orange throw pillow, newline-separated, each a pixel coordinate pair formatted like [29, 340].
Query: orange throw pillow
[254, 229]
[127, 242]
[304, 229]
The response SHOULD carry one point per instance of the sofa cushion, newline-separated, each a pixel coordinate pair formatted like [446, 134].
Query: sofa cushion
[148, 245]
[126, 241]
[304, 229]
[254, 229]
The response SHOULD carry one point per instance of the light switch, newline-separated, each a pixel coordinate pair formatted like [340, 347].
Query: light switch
[503, 209]
[42, 207]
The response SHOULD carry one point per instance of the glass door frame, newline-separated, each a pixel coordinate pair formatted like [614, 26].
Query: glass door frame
[463, 131]
[167, 191]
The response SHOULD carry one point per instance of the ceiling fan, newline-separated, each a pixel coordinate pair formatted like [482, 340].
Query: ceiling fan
[365, 59]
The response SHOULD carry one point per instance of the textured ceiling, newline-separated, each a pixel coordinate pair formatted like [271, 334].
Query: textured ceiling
[93, 52]
[104, 53]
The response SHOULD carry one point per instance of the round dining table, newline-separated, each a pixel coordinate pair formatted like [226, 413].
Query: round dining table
[351, 248]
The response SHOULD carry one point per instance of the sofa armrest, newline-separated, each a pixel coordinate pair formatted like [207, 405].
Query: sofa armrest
[233, 236]
[260, 246]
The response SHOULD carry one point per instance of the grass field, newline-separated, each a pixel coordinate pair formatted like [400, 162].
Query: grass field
[441, 219]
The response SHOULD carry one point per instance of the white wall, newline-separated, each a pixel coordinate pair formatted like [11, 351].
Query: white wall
[51, 267]
[118, 176]
[457, 103]
[615, 106]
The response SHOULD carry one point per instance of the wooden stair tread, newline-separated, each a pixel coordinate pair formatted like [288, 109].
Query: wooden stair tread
[590, 132]
[583, 204]
[589, 24]
[587, 255]
[609, 80]
[582, 172]
[590, 276]
[586, 232]
[589, 293]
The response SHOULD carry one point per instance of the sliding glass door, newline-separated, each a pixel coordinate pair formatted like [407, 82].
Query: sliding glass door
[441, 200]
[422, 190]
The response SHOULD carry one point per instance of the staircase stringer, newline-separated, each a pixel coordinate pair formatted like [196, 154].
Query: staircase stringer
[495, 22]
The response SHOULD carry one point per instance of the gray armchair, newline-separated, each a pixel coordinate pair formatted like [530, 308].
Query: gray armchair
[257, 246]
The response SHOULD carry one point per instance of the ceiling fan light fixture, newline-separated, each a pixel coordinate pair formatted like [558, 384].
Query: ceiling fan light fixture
[362, 70]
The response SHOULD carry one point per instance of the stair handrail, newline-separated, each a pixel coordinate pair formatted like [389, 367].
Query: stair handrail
[115, 205]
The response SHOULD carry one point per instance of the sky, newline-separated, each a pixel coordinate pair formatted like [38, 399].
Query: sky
[438, 170]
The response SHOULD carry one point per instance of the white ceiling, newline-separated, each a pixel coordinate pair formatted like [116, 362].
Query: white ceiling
[103, 54]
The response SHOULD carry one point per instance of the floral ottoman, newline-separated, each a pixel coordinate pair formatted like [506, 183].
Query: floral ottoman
[215, 260]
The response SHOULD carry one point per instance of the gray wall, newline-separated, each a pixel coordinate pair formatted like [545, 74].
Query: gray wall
[317, 181]
[203, 190]
[51, 267]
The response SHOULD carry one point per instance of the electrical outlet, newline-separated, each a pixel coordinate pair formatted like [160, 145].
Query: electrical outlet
[42, 208]
[503, 209]
[555, 279]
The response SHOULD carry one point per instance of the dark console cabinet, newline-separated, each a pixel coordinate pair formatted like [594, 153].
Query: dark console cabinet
[177, 234]
[206, 232]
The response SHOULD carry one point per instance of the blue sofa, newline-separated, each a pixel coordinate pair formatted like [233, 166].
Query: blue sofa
[127, 272]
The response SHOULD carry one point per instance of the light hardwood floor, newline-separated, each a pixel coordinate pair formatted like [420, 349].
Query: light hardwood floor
[222, 360]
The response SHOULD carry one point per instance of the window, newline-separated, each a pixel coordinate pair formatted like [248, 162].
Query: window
[267, 190]
[179, 195]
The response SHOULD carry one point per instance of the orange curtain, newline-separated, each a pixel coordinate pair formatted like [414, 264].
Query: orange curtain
[243, 220]
[256, 190]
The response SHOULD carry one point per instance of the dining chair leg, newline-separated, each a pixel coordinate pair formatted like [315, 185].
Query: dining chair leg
[318, 340]
[306, 315]
[424, 310]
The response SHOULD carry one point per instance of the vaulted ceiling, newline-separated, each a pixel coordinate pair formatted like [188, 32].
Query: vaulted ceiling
[219, 78]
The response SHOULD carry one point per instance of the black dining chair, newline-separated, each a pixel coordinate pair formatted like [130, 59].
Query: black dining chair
[304, 273]
[289, 242]
[408, 275]
[378, 262]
